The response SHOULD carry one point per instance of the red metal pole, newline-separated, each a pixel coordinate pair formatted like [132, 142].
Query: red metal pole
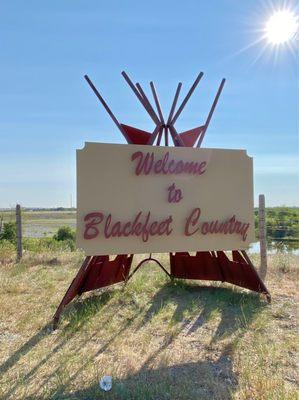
[211, 113]
[72, 290]
[174, 103]
[154, 134]
[140, 98]
[146, 100]
[176, 137]
[191, 90]
[169, 126]
[156, 98]
[107, 108]
[157, 102]
[160, 137]
[166, 136]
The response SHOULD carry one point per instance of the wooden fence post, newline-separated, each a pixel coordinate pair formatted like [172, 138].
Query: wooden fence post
[19, 232]
[262, 237]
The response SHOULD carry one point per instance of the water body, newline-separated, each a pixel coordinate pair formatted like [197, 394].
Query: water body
[275, 247]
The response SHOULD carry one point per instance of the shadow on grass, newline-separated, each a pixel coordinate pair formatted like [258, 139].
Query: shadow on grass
[205, 379]
[26, 348]
[75, 315]
[79, 312]
[236, 308]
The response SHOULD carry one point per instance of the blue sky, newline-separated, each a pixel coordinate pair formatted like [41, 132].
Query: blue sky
[47, 110]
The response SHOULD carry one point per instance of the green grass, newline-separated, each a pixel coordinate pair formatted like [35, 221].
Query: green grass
[158, 339]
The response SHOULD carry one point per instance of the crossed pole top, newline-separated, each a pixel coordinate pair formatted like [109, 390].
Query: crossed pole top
[188, 138]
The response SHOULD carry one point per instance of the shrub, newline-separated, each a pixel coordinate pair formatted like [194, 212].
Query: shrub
[9, 232]
[46, 244]
[65, 233]
[7, 251]
[66, 236]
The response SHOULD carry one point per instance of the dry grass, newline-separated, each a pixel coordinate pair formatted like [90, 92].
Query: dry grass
[157, 339]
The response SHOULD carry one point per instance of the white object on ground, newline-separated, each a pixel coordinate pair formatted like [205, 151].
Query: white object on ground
[106, 383]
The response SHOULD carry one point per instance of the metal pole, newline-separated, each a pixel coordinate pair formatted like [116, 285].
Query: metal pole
[172, 109]
[160, 136]
[182, 106]
[174, 103]
[177, 140]
[105, 105]
[157, 102]
[140, 98]
[146, 100]
[155, 134]
[211, 113]
[19, 232]
[166, 137]
[262, 237]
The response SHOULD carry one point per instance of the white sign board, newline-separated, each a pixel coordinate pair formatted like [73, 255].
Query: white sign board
[146, 199]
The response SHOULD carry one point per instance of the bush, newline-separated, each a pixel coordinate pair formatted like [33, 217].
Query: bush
[46, 244]
[65, 233]
[66, 236]
[7, 251]
[9, 232]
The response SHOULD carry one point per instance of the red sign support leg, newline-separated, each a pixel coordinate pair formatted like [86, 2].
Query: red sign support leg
[216, 266]
[96, 272]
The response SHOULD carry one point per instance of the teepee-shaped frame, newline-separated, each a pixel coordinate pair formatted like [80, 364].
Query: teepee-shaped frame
[99, 271]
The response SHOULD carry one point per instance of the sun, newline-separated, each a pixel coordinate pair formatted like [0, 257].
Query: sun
[281, 27]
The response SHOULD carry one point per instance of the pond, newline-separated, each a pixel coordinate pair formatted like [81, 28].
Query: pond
[276, 246]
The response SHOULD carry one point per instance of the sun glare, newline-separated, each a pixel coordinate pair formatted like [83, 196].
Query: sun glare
[281, 27]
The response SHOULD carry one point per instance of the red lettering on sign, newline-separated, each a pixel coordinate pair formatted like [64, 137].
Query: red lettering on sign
[174, 195]
[232, 225]
[192, 221]
[142, 226]
[92, 220]
[146, 163]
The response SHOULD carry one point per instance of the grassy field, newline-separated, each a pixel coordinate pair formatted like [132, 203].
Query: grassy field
[157, 339]
[42, 223]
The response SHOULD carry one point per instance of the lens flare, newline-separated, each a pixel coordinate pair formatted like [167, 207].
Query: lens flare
[281, 27]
